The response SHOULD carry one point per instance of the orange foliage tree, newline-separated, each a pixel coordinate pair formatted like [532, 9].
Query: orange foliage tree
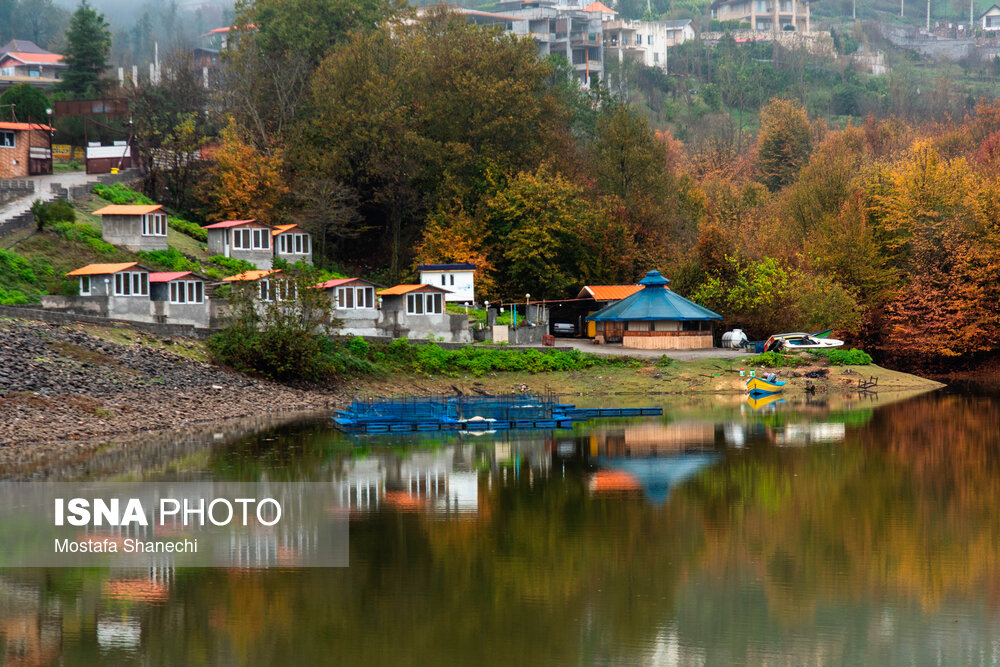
[244, 182]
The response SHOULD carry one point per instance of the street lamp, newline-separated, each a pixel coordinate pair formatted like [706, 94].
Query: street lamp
[48, 112]
[526, 297]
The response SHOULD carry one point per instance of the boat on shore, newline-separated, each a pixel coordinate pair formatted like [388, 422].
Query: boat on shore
[762, 387]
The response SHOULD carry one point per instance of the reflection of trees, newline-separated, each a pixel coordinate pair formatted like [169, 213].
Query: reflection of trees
[904, 508]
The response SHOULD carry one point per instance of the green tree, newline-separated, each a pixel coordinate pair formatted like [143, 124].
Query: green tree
[88, 46]
[28, 103]
[784, 143]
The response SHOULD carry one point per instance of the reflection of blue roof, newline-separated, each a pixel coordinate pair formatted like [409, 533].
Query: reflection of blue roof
[659, 475]
[653, 302]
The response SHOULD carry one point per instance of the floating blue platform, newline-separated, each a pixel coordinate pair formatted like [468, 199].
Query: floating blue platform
[475, 414]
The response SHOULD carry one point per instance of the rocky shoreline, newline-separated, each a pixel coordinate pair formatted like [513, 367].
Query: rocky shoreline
[60, 384]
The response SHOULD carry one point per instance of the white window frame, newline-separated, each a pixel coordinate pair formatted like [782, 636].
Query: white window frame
[85, 280]
[365, 297]
[239, 235]
[154, 224]
[260, 238]
[8, 136]
[187, 291]
[131, 283]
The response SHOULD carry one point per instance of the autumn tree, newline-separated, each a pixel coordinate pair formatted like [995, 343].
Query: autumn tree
[452, 235]
[243, 181]
[784, 143]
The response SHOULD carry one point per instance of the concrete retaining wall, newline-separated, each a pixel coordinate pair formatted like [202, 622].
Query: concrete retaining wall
[41, 315]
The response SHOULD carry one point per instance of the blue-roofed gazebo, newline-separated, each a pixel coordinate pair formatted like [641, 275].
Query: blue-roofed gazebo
[655, 318]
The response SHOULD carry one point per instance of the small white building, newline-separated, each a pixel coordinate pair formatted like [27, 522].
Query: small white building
[990, 19]
[355, 305]
[458, 279]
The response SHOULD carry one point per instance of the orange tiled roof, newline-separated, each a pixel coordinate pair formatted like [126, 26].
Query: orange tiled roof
[599, 7]
[608, 292]
[128, 209]
[281, 229]
[101, 269]
[250, 275]
[406, 289]
[21, 127]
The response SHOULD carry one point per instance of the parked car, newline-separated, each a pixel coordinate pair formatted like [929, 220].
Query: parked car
[563, 329]
[799, 341]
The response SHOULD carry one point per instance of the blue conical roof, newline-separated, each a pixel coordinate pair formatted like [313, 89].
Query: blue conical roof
[653, 302]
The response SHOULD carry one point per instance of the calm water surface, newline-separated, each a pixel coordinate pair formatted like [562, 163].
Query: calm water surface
[865, 533]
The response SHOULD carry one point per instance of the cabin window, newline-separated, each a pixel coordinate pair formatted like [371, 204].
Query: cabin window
[695, 325]
[131, 283]
[261, 239]
[154, 224]
[266, 291]
[187, 291]
[443, 278]
[84, 285]
[345, 297]
[6, 139]
[452, 279]
[241, 239]
[433, 303]
[637, 326]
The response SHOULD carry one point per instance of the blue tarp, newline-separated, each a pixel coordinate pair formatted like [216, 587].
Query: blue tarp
[653, 302]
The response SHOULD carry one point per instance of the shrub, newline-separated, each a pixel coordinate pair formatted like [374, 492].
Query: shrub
[19, 281]
[171, 259]
[46, 213]
[117, 193]
[665, 362]
[189, 228]
[842, 357]
[277, 339]
[83, 233]
[775, 360]
[232, 265]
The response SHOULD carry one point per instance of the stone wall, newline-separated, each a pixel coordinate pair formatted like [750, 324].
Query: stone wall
[41, 315]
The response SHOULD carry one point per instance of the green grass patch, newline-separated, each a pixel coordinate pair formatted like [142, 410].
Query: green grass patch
[431, 359]
[188, 228]
[232, 265]
[117, 193]
[86, 234]
[170, 259]
[20, 278]
[850, 357]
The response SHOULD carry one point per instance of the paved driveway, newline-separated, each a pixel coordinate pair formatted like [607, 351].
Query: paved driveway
[587, 345]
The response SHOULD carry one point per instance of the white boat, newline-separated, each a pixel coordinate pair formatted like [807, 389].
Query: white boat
[787, 342]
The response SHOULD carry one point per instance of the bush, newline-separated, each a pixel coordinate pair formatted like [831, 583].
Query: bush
[232, 265]
[775, 360]
[170, 259]
[842, 357]
[46, 213]
[189, 228]
[19, 278]
[116, 193]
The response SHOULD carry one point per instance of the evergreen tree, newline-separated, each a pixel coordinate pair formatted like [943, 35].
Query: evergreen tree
[29, 105]
[88, 46]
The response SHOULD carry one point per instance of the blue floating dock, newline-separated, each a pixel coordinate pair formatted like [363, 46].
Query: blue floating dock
[475, 414]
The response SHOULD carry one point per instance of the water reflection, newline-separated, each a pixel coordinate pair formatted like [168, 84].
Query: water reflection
[802, 534]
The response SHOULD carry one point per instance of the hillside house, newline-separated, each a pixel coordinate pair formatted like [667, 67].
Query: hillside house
[458, 279]
[134, 226]
[25, 150]
[248, 240]
[23, 61]
[292, 244]
[179, 297]
[119, 291]
[989, 20]
[354, 305]
[418, 312]
[267, 283]
[655, 318]
[765, 15]
[645, 42]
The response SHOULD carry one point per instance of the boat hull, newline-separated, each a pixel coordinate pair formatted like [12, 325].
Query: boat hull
[762, 387]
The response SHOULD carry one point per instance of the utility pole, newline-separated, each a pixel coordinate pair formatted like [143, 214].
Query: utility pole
[928, 15]
[900, 7]
[854, 10]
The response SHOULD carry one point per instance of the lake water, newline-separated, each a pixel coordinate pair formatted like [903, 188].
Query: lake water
[861, 533]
